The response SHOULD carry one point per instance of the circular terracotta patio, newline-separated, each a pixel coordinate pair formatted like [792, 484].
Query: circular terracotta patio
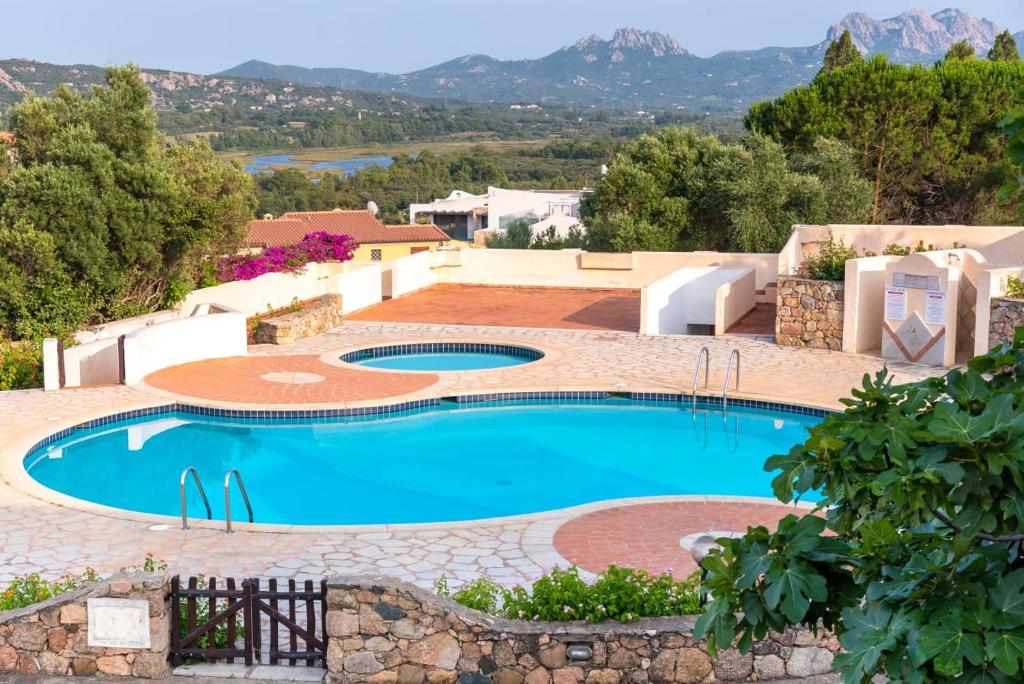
[648, 536]
[284, 379]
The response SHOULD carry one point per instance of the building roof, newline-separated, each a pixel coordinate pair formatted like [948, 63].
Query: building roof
[363, 226]
[7, 138]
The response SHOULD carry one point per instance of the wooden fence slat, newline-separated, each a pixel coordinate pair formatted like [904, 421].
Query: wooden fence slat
[175, 621]
[310, 622]
[274, 645]
[293, 641]
[257, 623]
[232, 628]
[251, 624]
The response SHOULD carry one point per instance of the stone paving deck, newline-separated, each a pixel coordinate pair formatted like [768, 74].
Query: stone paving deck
[37, 535]
[531, 307]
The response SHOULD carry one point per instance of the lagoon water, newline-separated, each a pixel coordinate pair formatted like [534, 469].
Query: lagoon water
[347, 166]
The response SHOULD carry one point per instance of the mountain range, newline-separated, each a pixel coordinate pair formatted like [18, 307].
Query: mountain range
[646, 69]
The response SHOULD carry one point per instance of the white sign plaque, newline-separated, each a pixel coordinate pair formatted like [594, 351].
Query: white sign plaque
[895, 303]
[915, 281]
[118, 623]
[935, 307]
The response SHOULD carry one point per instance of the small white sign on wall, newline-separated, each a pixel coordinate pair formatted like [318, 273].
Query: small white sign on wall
[118, 623]
[895, 303]
[935, 307]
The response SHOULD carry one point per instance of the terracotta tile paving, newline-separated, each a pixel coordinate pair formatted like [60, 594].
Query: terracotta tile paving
[240, 379]
[760, 321]
[647, 535]
[528, 307]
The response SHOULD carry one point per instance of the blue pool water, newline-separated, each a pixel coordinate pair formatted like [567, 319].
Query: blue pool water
[433, 465]
[450, 361]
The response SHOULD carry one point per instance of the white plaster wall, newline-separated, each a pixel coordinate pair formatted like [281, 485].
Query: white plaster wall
[689, 296]
[184, 340]
[93, 363]
[413, 272]
[259, 295]
[359, 284]
[864, 296]
[734, 300]
[125, 326]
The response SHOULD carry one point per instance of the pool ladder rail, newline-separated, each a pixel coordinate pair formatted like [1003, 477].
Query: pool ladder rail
[206, 502]
[704, 356]
[734, 354]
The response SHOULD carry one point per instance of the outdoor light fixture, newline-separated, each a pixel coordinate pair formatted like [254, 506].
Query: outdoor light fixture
[701, 547]
[579, 652]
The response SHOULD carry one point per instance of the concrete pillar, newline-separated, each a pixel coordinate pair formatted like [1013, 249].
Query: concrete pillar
[51, 364]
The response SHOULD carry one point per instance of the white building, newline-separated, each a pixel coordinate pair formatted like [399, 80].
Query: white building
[461, 214]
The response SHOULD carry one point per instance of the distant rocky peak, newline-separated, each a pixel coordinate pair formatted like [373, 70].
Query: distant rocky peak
[658, 44]
[916, 31]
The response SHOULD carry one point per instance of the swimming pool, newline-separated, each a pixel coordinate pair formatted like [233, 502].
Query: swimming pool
[446, 462]
[443, 356]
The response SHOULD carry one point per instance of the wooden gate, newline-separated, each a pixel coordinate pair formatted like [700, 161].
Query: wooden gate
[223, 622]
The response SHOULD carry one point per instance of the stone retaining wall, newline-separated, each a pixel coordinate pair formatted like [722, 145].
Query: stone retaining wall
[51, 638]
[1005, 315]
[383, 630]
[323, 314]
[810, 313]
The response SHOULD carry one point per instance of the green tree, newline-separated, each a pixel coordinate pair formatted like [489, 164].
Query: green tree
[1004, 49]
[37, 295]
[847, 194]
[129, 214]
[960, 50]
[913, 553]
[1012, 124]
[766, 198]
[841, 52]
[926, 137]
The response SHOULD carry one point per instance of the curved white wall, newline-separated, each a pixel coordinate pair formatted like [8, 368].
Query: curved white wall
[213, 336]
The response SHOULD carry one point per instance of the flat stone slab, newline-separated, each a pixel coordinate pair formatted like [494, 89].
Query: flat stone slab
[232, 671]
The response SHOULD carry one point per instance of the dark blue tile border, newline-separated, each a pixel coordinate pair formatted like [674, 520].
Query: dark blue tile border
[527, 353]
[581, 397]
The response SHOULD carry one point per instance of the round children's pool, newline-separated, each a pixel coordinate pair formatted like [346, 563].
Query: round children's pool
[442, 356]
[441, 461]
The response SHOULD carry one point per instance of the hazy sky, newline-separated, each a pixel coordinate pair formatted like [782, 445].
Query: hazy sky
[402, 35]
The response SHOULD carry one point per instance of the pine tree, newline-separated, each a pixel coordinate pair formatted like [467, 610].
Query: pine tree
[1004, 49]
[961, 50]
[841, 52]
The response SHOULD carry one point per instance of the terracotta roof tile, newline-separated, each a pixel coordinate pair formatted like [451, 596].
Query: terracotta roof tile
[360, 224]
[7, 138]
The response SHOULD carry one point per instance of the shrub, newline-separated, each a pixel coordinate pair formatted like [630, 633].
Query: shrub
[830, 261]
[1015, 288]
[913, 556]
[893, 249]
[621, 594]
[314, 247]
[28, 589]
[21, 365]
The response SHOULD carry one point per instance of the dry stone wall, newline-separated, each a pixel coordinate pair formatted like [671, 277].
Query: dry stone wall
[323, 314]
[383, 630]
[810, 313]
[52, 637]
[1005, 316]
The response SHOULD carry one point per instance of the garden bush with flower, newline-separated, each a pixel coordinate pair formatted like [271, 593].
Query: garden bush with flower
[315, 247]
[621, 594]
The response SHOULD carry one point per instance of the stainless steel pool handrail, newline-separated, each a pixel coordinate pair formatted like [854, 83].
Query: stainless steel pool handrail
[227, 497]
[199, 486]
[734, 353]
[705, 355]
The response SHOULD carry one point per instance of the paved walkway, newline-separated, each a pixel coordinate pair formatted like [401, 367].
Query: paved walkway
[37, 535]
[531, 307]
[655, 536]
